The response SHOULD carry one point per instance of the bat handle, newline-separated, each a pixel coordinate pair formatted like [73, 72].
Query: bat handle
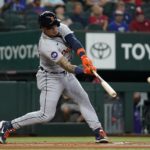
[96, 75]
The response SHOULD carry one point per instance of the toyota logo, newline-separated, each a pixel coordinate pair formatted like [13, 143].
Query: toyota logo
[100, 50]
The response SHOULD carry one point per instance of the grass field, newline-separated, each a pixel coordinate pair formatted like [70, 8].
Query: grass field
[75, 143]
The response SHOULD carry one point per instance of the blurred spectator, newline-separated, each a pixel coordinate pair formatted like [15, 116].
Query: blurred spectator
[120, 5]
[60, 13]
[136, 2]
[140, 24]
[103, 2]
[29, 1]
[97, 17]
[36, 7]
[113, 1]
[129, 1]
[78, 15]
[96, 2]
[22, 2]
[71, 110]
[52, 3]
[13, 5]
[114, 113]
[117, 112]
[137, 114]
[118, 25]
[18, 5]
[1, 3]
[88, 4]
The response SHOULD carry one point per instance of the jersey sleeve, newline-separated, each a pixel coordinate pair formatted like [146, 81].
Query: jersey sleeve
[51, 51]
[64, 30]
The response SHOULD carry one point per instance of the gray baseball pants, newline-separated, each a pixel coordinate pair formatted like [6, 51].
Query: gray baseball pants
[52, 86]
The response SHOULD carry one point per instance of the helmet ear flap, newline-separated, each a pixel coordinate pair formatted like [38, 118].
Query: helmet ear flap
[58, 23]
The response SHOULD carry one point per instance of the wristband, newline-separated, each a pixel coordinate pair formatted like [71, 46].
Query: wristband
[78, 70]
[81, 52]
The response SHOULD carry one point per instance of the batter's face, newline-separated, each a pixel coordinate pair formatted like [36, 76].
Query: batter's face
[51, 32]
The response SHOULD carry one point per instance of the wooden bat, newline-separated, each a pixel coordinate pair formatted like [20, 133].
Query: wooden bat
[148, 79]
[105, 85]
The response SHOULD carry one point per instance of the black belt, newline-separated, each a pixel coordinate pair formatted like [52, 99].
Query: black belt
[41, 68]
[62, 72]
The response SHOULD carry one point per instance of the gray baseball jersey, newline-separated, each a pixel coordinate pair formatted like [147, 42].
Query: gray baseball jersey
[53, 81]
[52, 49]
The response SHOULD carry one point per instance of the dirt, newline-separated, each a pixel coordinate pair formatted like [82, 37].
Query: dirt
[74, 145]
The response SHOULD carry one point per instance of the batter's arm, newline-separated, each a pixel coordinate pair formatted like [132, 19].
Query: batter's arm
[77, 46]
[65, 64]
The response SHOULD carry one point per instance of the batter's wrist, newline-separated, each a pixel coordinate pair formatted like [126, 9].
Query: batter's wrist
[78, 70]
[81, 52]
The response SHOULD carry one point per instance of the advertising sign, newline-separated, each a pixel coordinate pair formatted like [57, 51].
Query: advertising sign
[101, 48]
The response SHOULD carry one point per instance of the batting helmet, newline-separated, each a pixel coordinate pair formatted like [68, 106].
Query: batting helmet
[48, 19]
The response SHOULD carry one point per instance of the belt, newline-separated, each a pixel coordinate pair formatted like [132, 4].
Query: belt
[62, 72]
[41, 68]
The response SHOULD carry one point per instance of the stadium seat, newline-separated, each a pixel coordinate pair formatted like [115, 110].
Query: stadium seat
[32, 24]
[48, 8]
[130, 7]
[109, 8]
[146, 9]
[68, 14]
[86, 15]
[19, 28]
[76, 26]
[13, 19]
[2, 21]
[94, 27]
[69, 6]
[32, 16]
[2, 24]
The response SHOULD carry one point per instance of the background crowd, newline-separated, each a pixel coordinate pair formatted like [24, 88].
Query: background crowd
[102, 15]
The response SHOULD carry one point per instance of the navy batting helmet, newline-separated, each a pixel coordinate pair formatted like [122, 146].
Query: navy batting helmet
[48, 19]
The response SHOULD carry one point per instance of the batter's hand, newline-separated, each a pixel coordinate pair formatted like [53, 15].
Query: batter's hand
[88, 70]
[86, 62]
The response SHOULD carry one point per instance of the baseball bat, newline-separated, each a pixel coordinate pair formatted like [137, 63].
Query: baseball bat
[105, 85]
[148, 79]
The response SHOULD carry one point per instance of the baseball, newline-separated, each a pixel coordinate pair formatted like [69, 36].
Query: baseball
[148, 79]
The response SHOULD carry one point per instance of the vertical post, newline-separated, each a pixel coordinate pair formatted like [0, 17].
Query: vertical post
[128, 112]
[100, 103]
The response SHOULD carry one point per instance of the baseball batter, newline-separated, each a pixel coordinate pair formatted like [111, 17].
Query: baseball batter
[56, 77]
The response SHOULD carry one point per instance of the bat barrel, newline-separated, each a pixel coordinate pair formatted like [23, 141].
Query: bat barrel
[108, 88]
[105, 85]
[114, 94]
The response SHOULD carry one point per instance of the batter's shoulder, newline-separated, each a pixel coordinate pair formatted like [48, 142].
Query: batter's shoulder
[64, 30]
[62, 25]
